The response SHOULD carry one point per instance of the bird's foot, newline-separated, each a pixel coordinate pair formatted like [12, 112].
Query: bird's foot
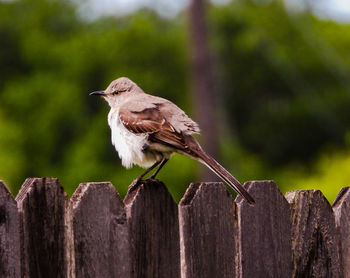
[151, 179]
[138, 181]
[135, 184]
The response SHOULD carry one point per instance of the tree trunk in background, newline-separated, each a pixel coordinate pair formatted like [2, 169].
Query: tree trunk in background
[203, 89]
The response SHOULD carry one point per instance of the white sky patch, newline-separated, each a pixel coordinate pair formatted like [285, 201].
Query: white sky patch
[338, 10]
[91, 9]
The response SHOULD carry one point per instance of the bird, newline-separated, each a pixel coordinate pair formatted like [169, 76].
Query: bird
[147, 130]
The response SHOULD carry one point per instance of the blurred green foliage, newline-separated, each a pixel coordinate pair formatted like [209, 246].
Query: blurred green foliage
[284, 80]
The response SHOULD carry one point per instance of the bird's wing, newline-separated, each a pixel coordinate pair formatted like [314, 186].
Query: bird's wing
[152, 122]
[174, 115]
[178, 118]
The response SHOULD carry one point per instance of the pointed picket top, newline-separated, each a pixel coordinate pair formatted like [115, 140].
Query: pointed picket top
[315, 242]
[4, 192]
[342, 199]
[5, 196]
[100, 232]
[9, 235]
[84, 190]
[207, 231]
[26, 187]
[42, 204]
[341, 208]
[152, 217]
[191, 194]
[264, 234]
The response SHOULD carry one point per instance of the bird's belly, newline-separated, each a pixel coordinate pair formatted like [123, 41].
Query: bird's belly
[130, 147]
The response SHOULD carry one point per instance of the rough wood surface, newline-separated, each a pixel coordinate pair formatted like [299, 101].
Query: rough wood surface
[264, 234]
[341, 208]
[96, 234]
[207, 228]
[101, 242]
[41, 203]
[10, 255]
[154, 231]
[315, 244]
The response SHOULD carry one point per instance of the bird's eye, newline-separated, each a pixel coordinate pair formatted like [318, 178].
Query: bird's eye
[115, 92]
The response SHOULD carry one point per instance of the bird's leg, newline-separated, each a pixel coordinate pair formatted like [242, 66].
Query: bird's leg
[148, 170]
[165, 160]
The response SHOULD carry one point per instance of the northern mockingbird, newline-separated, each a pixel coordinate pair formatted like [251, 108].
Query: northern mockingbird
[147, 130]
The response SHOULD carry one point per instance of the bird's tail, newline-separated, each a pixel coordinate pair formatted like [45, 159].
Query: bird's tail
[220, 171]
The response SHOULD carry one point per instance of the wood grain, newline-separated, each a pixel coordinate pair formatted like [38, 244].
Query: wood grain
[42, 204]
[101, 243]
[207, 228]
[341, 208]
[264, 232]
[315, 244]
[152, 217]
[97, 234]
[10, 255]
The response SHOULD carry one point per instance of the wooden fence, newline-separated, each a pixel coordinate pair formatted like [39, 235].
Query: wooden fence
[95, 233]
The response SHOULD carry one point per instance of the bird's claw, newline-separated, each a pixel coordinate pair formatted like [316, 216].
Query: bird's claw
[135, 184]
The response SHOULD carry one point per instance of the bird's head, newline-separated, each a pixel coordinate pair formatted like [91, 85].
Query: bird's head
[117, 90]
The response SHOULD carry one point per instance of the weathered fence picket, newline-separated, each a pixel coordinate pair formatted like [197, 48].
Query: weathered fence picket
[101, 242]
[9, 235]
[264, 232]
[42, 206]
[154, 231]
[315, 241]
[95, 233]
[207, 231]
[341, 209]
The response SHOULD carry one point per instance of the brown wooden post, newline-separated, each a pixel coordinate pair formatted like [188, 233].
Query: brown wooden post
[154, 231]
[101, 243]
[341, 208]
[265, 232]
[205, 94]
[10, 255]
[207, 228]
[315, 244]
[42, 204]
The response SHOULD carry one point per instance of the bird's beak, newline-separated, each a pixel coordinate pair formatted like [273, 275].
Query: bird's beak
[97, 93]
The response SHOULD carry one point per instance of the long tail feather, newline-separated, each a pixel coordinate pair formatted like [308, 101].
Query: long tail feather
[220, 171]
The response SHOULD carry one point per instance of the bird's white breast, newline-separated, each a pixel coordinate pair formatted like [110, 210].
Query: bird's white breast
[128, 145]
